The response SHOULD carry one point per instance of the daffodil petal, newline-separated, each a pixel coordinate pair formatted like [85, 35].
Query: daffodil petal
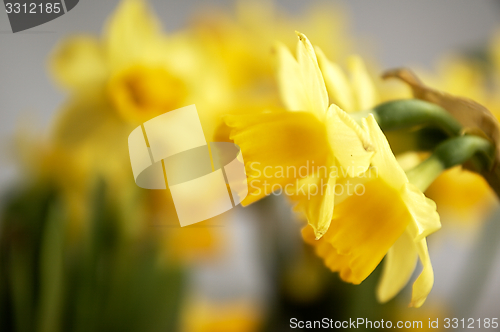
[350, 144]
[337, 85]
[78, 62]
[130, 33]
[399, 264]
[384, 160]
[343, 183]
[423, 285]
[324, 215]
[363, 87]
[278, 149]
[290, 82]
[332, 259]
[312, 78]
[317, 202]
[425, 217]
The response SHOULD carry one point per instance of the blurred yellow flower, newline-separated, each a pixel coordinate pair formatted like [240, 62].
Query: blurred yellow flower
[134, 72]
[213, 316]
[462, 196]
[391, 218]
[244, 43]
[130, 74]
[141, 92]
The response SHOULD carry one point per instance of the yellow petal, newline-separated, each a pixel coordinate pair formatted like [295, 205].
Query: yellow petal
[290, 82]
[344, 183]
[363, 88]
[78, 62]
[350, 144]
[130, 33]
[339, 88]
[331, 258]
[383, 159]
[399, 264]
[423, 285]
[278, 148]
[318, 201]
[312, 79]
[423, 210]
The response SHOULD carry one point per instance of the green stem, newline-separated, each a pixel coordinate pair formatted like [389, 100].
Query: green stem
[425, 173]
[452, 152]
[410, 113]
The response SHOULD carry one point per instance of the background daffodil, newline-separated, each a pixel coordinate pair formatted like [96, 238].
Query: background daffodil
[135, 72]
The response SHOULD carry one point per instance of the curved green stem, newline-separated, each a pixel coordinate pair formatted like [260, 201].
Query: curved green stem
[425, 173]
[411, 113]
[452, 152]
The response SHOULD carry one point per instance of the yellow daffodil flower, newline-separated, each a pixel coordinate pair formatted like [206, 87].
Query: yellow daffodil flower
[116, 81]
[135, 72]
[351, 232]
[391, 218]
[131, 74]
[308, 135]
[129, 64]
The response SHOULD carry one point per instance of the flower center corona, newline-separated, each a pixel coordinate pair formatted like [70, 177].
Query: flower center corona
[141, 93]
